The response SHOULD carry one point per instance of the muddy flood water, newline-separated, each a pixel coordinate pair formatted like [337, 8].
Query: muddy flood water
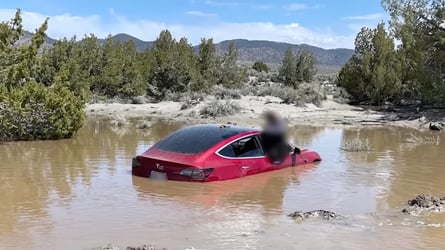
[80, 194]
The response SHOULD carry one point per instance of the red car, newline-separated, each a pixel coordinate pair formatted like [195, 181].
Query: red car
[212, 152]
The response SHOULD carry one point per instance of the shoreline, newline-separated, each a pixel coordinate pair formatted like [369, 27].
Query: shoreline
[329, 114]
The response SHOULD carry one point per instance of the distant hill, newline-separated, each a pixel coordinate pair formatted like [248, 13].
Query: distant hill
[249, 51]
[140, 45]
[273, 52]
[26, 38]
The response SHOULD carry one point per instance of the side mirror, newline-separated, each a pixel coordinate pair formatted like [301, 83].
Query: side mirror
[297, 151]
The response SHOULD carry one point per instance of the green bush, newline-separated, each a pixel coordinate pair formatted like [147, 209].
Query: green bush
[36, 112]
[260, 66]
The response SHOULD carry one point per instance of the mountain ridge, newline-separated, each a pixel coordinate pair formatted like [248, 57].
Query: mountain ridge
[271, 52]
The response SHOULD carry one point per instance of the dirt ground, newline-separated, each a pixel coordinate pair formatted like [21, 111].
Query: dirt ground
[329, 114]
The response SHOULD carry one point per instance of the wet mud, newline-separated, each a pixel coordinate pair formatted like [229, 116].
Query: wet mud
[422, 204]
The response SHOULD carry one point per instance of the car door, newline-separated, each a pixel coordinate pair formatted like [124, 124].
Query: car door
[246, 153]
[268, 165]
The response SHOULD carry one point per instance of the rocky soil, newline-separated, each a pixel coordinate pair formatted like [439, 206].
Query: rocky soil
[329, 114]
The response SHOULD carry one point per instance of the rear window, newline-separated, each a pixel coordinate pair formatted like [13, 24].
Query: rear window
[197, 139]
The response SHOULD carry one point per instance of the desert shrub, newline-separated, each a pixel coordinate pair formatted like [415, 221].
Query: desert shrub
[260, 66]
[220, 108]
[138, 100]
[173, 96]
[275, 77]
[220, 92]
[190, 99]
[188, 103]
[305, 93]
[36, 112]
[248, 90]
[184, 96]
[340, 95]
[263, 77]
[287, 94]
[35, 103]
[310, 93]
[196, 96]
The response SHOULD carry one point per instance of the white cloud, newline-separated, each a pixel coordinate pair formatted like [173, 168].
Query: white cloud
[67, 25]
[355, 23]
[221, 3]
[301, 6]
[200, 13]
[295, 6]
[368, 17]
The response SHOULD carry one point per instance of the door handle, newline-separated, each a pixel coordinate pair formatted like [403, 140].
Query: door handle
[245, 167]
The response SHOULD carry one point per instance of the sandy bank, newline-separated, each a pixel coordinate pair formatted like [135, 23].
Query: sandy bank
[330, 114]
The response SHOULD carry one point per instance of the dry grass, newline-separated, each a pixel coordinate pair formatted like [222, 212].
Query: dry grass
[356, 145]
[182, 97]
[223, 93]
[189, 103]
[305, 93]
[220, 108]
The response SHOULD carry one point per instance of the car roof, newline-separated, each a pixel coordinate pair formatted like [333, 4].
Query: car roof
[223, 127]
[198, 138]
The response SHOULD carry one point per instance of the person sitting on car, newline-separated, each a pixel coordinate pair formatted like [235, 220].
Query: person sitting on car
[274, 137]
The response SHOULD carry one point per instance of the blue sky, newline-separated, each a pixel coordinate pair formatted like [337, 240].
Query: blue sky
[325, 23]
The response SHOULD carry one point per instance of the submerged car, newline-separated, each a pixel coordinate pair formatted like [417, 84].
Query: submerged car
[212, 152]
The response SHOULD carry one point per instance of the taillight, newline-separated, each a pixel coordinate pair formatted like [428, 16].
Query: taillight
[135, 162]
[196, 173]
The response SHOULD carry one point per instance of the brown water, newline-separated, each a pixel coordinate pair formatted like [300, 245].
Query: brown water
[79, 194]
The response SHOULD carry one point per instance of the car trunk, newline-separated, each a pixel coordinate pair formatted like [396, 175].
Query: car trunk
[172, 166]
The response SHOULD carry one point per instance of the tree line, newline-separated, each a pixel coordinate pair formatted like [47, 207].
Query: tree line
[401, 63]
[114, 69]
[43, 89]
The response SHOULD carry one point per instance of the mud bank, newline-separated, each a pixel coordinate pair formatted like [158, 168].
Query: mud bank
[110, 246]
[329, 114]
[423, 204]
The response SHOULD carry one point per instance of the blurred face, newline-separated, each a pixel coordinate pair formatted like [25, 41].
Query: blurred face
[271, 117]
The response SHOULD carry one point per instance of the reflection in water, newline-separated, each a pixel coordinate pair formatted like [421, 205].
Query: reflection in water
[303, 136]
[81, 191]
[266, 190]
[37, 175]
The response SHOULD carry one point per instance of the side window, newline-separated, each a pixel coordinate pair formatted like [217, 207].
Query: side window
[246, 147]
[227, 151]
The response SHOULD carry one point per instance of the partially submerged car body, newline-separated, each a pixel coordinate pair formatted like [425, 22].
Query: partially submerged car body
[212, 152]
